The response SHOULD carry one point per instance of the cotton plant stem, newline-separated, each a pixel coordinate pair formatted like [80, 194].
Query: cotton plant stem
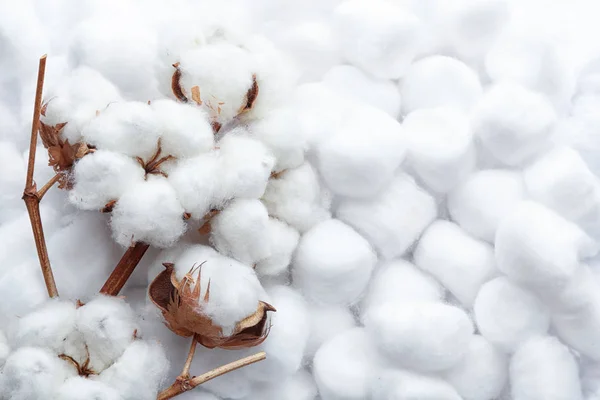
[183, 385]
[47, 186]
[185, 373]
[124, 269]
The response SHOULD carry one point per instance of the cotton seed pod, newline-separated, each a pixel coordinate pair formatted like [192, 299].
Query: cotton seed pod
[180, 304]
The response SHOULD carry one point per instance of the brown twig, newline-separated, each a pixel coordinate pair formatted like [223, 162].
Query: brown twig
[185, 373]
[48, 185]
[124, 269]
[183, 385]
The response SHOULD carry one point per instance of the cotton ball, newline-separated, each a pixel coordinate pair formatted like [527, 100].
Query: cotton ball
[4, 348]
[543, 368]
[325, 323]
[333, 263]
[508, 315]
[380, 38]
[421, 336]
[513, 123]
[240, 231]
[392, 384]
[297, 198]
[130, 128]
[537, 247]
[479, 203]
[24, 286]
[78, 387]
[148, 212]
[108, 327]
[481, 374]
[578, 296]
[393, 220]
[103, 176]
[440, 147]
[299, 386]
[282, 240]
[459, 262]
[361, 156]
[343, 366]
[185, 130]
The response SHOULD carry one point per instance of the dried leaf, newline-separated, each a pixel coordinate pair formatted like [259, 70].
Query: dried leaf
[251, 96]
[176, 86]
[196, 95]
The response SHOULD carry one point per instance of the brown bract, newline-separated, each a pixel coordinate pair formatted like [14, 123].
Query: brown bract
[182, 308]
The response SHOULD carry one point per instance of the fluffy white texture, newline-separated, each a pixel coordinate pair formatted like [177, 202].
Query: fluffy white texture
[421, 336]
[148, 212]
[393, 220]
[480, 202]
[140, 372]
[13, 166]
[77, 388]
[399, 281]
[378, 37]
[351, 82]
[240, 231]
[361, 155]
[438, 81]
[24, 285]
[283, 240]
[513, 123]
[4, 348]
[297, 198]
[579, 295]
[543, 368]
[101, 177]
[481, 374]
[537, 247]
[344, 365]
[185, 130]
[325, 323]
[440, 146]
[562, 181]
[108, 325]
[391, 384]
[461, 263]
[333, 264]
[507, 315]
[299, 386]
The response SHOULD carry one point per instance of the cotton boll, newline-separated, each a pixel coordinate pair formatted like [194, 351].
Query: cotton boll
[481, 374]
[462, 264]
[537, 247]
[240, 231]
[282, 240]
[513, 123]
[333, 263]
[297, 198]
[343, 366]
[393, 220]
[440, 81]
[148, 212]
[103, 176]
[299, 386]
[325, 323]
[78, 387]
[440, 147]
[508, 315]
[392, 384]
[421, 336]
[543, 368]
[379, 38]
[480, 202]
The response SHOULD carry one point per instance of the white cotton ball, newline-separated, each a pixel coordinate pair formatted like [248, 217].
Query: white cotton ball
[349, 81]
[421, 336]
[297, 198]
[23, 284]
[148, 212]
[482, 374]
[513, 123]
[393, 384]
[440, 81]
[361, 155]
[185, 130]
[343, 366]
[240, 231]
[333, 263]
[4, 348]
[378, 37]
[325, 323]
[394, 219]
[299, 386]
[543, 368]
[140, 372]
[440, 147]
[459, 262]
[480, 202]
[537, 247]
[108, 326]
[282, 240]
[103, 176]
[78, 387]
[507, 315]
[578, 296]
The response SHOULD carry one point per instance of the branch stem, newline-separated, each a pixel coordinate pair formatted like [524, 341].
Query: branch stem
[35, 125]
[185, 373]
[47, 186]
[124, 269]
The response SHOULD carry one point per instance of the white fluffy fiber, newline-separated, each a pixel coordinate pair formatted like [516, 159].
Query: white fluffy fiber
[406, 385]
